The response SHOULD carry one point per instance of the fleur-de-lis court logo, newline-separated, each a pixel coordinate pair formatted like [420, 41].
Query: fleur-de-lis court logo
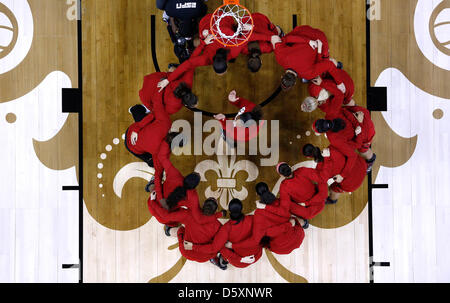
[226, 169]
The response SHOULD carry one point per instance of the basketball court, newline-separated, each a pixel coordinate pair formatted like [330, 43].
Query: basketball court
[74, 208]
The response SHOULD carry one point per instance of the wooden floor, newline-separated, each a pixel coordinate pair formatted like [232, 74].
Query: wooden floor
[39, 154]
[410, 227]
[122, 242]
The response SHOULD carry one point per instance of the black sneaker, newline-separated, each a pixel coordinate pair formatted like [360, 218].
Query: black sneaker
[281, 32]
[167, 230]
[329, 201]
[150, 183]
[370, 163]
[306, 225]
[216, 262]
[222, 262]
[340, 65]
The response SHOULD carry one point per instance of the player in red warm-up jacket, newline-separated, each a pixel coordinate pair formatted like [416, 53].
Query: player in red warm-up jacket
[280, 234]
[324, 93]
[303, 53]
[360, 117]
[176, 95]
[199, 229]
[331, 163]
[145, 136]
[340, 133]
[237, 229]
[176, 191]
[246, 124]
[254, 49]
[303, 193]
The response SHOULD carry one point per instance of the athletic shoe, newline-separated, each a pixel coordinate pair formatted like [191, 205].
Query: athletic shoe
[223, 263]
[167, 230]
[281, 32]
[150, 183]
[216, 262]
[340, 65]
[306, 225]
[370, 163]
[329, 201]
[305, 81]
[165, 17]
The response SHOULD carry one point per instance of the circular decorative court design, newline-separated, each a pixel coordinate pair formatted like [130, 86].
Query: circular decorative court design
[440, 27]
[9, 31]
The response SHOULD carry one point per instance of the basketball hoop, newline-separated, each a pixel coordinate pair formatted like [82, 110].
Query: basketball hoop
[243, 18]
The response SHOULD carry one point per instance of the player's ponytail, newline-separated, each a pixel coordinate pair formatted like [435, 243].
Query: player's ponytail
[183, 92]
[220, 61]
[177, 195]
[235, 209]
[337, 125]
[312, 151]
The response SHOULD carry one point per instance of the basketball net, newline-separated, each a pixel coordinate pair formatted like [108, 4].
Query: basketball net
[243, 19]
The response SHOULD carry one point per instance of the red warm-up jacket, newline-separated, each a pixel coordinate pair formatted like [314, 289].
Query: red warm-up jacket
[296, 54]
[262, 25]
[239, 133]
[336, 164]
[327, 82]
[303, 195]
[306, 31]
[198, 229]
[367, 127]
[171, 103]
[204, 54]
[152, 130]
[332, 107]
[284, 237]
[233, 232]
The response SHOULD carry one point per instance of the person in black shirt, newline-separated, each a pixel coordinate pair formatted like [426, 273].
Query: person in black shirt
[182, 18]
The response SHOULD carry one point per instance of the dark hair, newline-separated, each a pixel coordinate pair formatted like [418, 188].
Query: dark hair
[220, 61]
[176, 196]
[261, 188]
[191, 181]
[285, 170]
[268, 198]
[138, 112]
[183, 92]
[310, 150]
[288, 80]
[171, 136]
[235, 209]
[209, 207]
[323, 126]
[254, 60]
[338, 125]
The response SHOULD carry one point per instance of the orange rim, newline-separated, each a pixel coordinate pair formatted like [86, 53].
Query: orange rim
[227, 2]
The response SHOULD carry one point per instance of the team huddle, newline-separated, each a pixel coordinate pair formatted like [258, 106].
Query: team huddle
[278, 223]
